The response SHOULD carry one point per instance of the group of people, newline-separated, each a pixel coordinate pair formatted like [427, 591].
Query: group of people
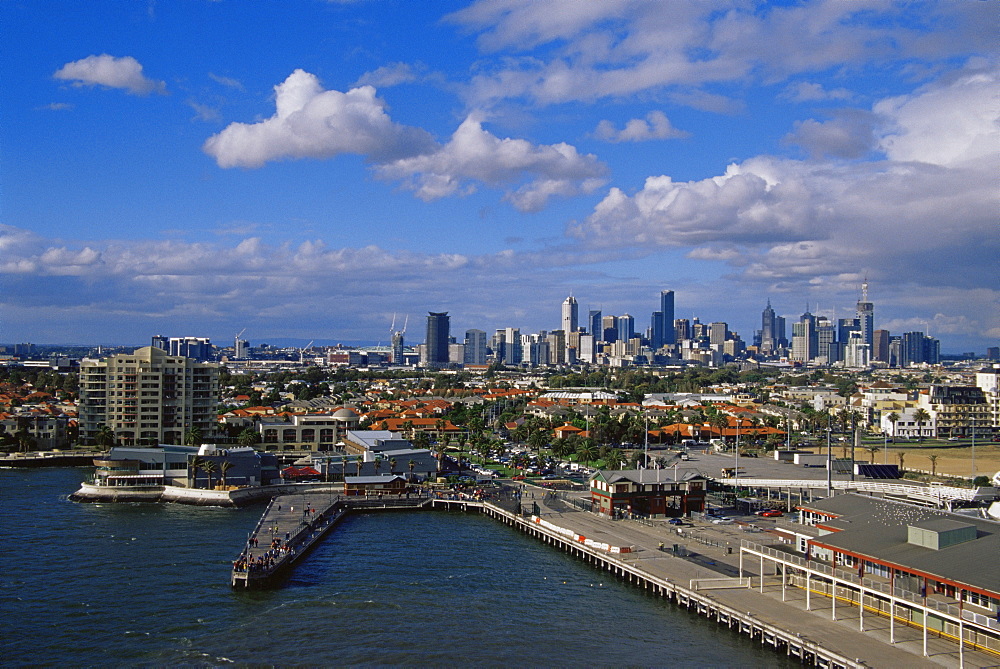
[249, 562]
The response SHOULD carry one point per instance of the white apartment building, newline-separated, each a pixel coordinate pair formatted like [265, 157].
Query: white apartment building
[148, 397]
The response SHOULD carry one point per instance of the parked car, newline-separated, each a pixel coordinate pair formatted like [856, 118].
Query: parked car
[675, 521]
[723, 521]
[770, 513]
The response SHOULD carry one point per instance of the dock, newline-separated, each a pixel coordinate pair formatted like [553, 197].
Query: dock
[291, 525]
[636, 554]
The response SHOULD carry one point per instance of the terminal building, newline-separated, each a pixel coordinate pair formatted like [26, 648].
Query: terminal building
[920, 567]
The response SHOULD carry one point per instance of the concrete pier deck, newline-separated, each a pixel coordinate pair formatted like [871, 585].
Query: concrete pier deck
[700, 577]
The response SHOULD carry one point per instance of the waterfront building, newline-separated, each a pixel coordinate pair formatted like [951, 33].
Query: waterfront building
[956, 411]
[988, 379]
[648, 492]
[926, 566]
[570, 315]
[438, 334]
[148, 397]
[308, 432]
[177, 465]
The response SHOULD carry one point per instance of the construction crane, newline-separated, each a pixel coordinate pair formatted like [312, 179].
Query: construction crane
[302, 351]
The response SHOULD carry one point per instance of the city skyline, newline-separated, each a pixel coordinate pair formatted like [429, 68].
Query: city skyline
[307, 170]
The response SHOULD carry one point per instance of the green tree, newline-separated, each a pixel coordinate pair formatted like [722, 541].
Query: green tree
[921, 416]
[933, 458]
[893, 418]
[224, 468]
[209, 467]
[248, 437]
[193, 436]
[105, 436]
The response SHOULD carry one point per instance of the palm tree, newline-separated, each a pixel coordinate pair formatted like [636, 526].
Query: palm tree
[872, 450]
[224, 467]
[587, 451]
[901, 456]
[392, 465]
[933, 459]
[105, 436]
[208, 466]
[248, 437]
[193, 436]
[194, 464]
[378, 464]
[359, 462]
[893, 418]
[921, 416]
[411, 464]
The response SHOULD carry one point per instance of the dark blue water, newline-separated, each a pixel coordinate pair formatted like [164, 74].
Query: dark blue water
[125, 585]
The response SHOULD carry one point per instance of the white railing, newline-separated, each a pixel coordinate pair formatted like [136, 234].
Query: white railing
[924, 492]
[915, 598]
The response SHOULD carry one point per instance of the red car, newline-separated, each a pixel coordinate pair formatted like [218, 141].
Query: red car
[770, 513]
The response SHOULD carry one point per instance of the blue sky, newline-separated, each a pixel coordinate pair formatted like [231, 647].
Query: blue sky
[309, 169]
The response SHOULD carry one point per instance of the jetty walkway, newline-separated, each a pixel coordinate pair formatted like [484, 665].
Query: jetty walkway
[702, 579]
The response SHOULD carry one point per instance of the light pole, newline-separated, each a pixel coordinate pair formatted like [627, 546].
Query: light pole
[829, 459]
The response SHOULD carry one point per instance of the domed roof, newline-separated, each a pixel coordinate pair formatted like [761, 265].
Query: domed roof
[344, 413]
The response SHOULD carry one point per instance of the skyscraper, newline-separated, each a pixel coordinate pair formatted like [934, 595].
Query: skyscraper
[570, 315]
[866, 316]
[626, 327]
[805, 342]
[475, 347]
[667, 314]
[768, 336]
[594, 324]
[397, 345]
[438, 326]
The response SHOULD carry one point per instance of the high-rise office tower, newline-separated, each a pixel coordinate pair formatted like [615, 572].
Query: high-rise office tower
[866, 316]
[199, 348]
[570, 315]
[804, 340]
[827, 347]
[768, 336]
[557, 347]
[880, 349]
[475, 347]
[718, 333]
[396, 345]
[656, 330]
[626, 327]
[682, 329]
[609, 329]
[512, 350]
[667, 316]
[438, 333]
[594, 324]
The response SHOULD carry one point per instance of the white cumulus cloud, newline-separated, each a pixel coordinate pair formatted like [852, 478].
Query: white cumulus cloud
[310, 122]
[656, 125]
[475, 154]
[105, 70]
